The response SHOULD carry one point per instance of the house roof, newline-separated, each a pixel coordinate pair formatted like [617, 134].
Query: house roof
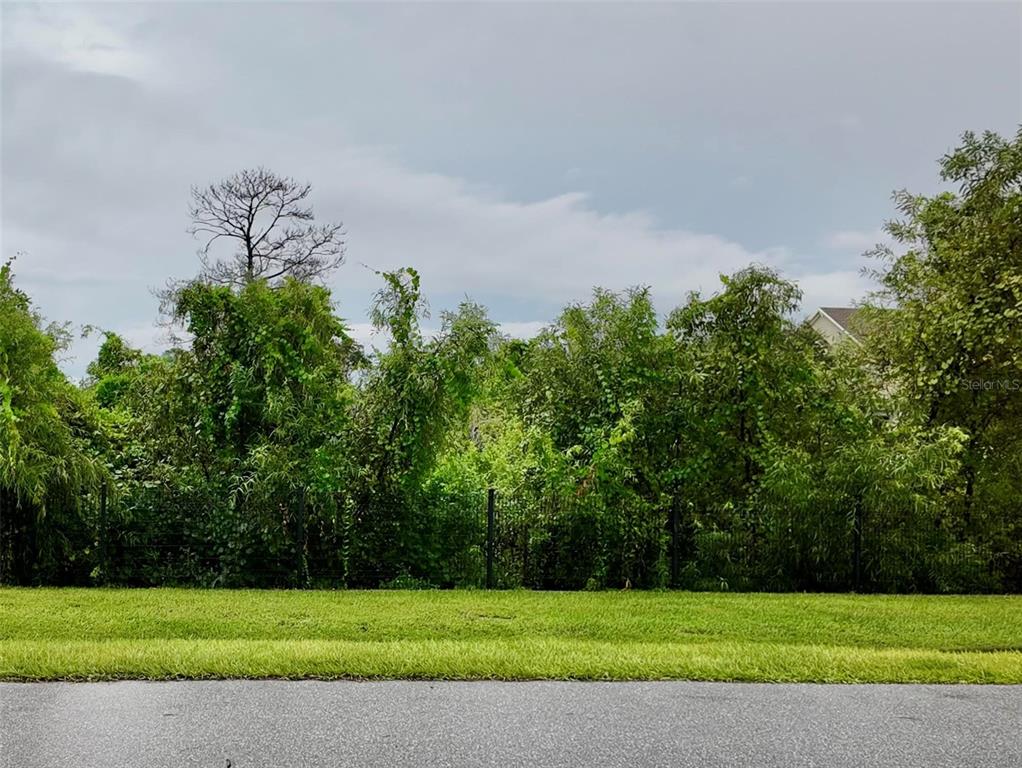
[839, 318]
[842, 316]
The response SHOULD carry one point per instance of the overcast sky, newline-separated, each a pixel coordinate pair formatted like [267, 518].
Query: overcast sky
[519, 154]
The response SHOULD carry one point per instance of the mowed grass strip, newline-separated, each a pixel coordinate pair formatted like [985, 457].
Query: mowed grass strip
[89, 634]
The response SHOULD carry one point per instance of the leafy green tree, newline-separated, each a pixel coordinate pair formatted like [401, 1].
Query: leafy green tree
[268, 449]
[755, 367]
[48, 463]
[408, 403]
[266, 383]
[111, 371]
[953, 343]
[754, 379]
[229, 455]
[849, 466]
[594, 394]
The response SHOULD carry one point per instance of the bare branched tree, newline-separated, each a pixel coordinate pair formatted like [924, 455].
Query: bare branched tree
[267, 221]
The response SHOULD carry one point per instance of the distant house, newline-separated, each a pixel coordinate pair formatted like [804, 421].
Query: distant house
[835, 324]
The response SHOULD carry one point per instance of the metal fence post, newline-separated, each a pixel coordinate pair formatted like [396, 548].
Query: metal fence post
[490, 521]
[857, 544]
[104, 536]
[303, 558]
[3, 542]
[675, 541]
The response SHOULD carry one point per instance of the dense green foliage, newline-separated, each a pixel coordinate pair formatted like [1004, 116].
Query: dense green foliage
[48, 451]
[724, 446]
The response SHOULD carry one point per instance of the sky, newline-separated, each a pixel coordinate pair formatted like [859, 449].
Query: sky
[517, 154]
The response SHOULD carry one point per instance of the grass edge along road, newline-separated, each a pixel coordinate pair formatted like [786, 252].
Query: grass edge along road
[95, 634]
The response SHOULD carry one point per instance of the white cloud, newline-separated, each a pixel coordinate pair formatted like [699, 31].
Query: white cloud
[515, 256]
[63, 275]
[97, 164]
[469, 240]
[367, 335]
[149, 337]
[524, 330]
[850, 123]
[834, 289]
[856, 240]
[79, 38]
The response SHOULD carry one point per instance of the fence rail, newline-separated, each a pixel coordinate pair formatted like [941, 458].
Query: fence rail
[578, 542]
[543, 540]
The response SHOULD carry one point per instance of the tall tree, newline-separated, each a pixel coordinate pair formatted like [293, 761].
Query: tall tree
[407, 403]
[268, 222]
[954, 343]
[46, 463]
[753, 364]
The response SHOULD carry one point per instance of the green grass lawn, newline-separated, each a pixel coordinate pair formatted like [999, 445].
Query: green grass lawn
[77, 634]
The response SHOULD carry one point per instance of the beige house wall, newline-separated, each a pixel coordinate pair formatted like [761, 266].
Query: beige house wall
[827, 328]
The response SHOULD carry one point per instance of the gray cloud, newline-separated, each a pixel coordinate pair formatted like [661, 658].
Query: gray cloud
[517, 154]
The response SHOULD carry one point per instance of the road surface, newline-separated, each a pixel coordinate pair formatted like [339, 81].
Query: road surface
[276, 724]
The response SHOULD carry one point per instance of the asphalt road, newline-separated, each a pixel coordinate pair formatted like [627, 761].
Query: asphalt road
[275, 724]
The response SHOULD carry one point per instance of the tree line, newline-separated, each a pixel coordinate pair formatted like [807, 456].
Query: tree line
[268, 448]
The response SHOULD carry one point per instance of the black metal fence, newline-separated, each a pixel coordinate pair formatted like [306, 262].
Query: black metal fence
[542, 540]
[571, 541]
[295, 546]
